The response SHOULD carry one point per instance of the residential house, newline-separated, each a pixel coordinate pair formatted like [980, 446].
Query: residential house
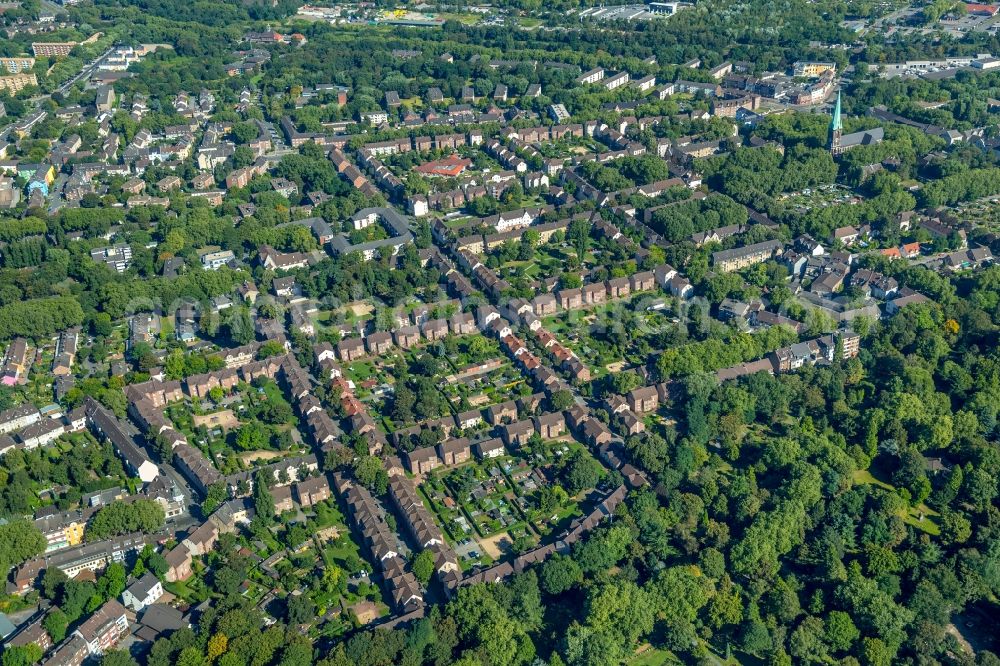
[550, 425]
[579, 371]
[643, 400]
[274, 260]
[102, 630]
[631, 422]
[570, 299]
[544, 305]
[436, 329]
[594, 294]
[491, 448]
[421, 461]
[178, 564]
[462, 323]
[143, 592]
[618, 287]
[596, 433]
[407, 337]
[379, 342]
[642, 281]
[213, 261]
[351, 349]
[518, 433]
[454, 451]
[312, 490]
[202, 540]
[739, 258]
[504, 412]
[469, 419]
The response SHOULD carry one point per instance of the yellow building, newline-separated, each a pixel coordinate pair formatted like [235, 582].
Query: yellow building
[813, 69]
[16, 82]
[74, 533]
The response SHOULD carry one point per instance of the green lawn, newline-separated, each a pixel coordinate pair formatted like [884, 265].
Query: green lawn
[274, 394]
[342, 549]
[192, 590]
[863, 476]
[360, 371]
[654, 657]
[913, 516]
[467, 19]
[327, 515]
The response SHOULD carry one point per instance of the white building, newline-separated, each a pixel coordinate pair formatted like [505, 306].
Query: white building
[213, 261]
[143, 592]
[375, 117]
[616, 81]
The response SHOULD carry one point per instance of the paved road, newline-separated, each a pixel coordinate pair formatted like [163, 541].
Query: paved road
[86, 71]
[37, 101]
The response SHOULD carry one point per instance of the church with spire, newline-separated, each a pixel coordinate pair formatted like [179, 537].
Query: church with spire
[836, 128]
[840, 143]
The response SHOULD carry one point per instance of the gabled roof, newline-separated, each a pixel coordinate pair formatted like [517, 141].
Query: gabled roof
[142, 587]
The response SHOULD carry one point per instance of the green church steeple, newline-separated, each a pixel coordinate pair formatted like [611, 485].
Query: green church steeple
[836, 126]
[835, 123]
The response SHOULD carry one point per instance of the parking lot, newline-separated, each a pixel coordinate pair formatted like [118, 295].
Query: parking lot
[631, 12]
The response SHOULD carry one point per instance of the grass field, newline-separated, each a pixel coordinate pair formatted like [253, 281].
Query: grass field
[654, 657]
[912, 516]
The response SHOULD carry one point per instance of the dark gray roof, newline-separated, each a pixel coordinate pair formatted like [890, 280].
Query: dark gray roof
[162, 617]
[109, 425]
[863, 138]
[142, 587]
[723, 255]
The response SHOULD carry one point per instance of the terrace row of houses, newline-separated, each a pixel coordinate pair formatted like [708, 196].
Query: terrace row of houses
[325, 432]
[422, 529]
[480, 243]
[351, 173]
[65, 529]
[381, 545]
[420, 205]
[304, 493]
[65, 352]
[630, 407]
[383, 342]
[32, 431]
[104, 424]
[738, 258]
[104, 629]
[595, 293]
[381, 174]
[565, 356]
[201, 539]
[92, 556]
[457, 450]
[146, 403]
[422, 143]
[147, 400]
[392, 221]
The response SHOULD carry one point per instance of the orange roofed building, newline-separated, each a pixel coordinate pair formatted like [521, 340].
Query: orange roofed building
[449, 167]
